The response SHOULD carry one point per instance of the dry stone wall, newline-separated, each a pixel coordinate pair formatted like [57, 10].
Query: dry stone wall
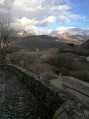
[51, 97]
[41, 89]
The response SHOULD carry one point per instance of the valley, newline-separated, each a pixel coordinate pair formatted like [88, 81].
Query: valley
[41, 54]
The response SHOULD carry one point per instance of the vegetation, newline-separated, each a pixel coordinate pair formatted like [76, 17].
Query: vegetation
[6, 34]
[71, 65]
[71, 44]
[78, 50]
[32, 61]
[86, 44]
[69, 59]
[32, 43]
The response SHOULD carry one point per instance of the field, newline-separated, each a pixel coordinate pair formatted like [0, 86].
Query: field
[43, 54]
[34, 61]
[53, 61]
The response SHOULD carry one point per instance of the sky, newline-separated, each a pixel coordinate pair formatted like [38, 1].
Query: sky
[47, 16]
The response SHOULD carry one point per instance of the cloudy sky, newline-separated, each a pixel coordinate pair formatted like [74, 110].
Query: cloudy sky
[45, 16]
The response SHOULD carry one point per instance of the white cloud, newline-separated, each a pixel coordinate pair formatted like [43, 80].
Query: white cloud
[62, 28]
[34, 30]
[49, 20]
[33, 13]
[63, 7]
[42, 9]
[29, 26]
[72, 30]
[25, 21]
[6, 4]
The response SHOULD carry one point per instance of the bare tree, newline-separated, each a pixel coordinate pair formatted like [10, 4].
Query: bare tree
[6, 34]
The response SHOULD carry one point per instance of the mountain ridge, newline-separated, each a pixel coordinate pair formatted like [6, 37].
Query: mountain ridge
[59, 37]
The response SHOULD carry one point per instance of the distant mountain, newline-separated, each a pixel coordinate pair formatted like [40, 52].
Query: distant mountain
[74, 35]
[70, 38]
[86, 44]
[35, 42]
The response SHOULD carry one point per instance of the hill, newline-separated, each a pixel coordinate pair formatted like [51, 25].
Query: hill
[70, 38]
[35, 42]
[86, 44]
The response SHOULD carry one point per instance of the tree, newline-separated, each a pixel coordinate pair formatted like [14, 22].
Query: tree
[6, 34]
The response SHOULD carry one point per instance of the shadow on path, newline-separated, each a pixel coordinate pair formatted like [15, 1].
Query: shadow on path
[16, 101]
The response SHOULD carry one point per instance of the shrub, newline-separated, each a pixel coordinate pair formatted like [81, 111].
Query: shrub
[82, 75]
[65, 62]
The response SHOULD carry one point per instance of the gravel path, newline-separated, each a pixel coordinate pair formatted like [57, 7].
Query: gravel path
[16, 101]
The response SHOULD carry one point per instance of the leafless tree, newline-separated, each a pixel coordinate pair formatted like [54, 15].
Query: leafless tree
[6, 34]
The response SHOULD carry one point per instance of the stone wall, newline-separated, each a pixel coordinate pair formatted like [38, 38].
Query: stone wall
[44, 92]
[77, 87]
[51, 97]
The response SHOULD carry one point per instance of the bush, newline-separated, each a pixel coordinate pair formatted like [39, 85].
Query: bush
[65, 62]
[82, 75]
[71, 44]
